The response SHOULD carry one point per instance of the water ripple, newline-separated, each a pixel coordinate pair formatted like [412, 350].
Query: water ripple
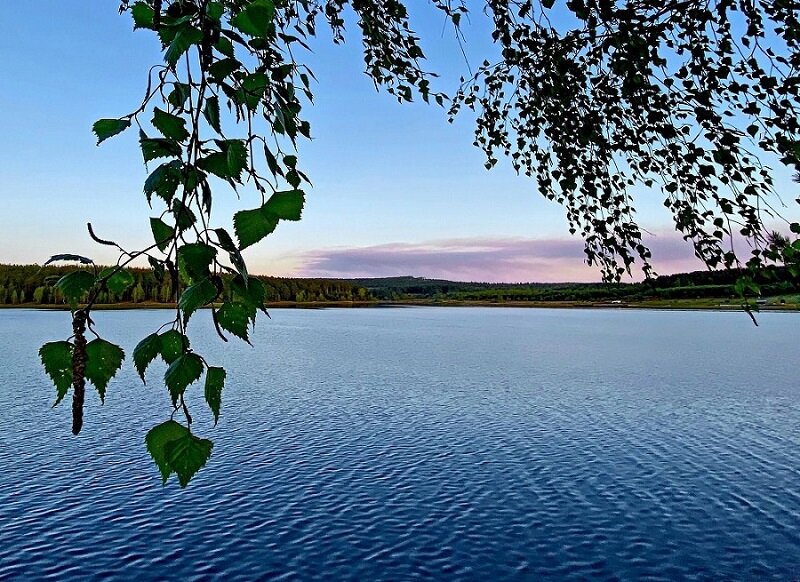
[423, 444]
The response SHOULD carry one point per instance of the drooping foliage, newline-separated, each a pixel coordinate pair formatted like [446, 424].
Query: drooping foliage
[595, 97]
[590, 97]
[224, 110]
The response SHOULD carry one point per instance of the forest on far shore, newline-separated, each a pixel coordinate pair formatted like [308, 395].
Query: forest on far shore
[34, 285]
[721, 285]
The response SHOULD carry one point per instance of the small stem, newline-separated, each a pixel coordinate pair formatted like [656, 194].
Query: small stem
[186, 412]
[101, 282]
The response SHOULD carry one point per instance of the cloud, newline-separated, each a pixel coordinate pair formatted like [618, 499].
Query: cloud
[483, 259]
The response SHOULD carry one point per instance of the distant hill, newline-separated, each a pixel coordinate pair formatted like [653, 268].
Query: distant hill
[695, 285]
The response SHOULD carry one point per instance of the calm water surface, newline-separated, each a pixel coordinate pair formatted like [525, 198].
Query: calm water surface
[393, 444]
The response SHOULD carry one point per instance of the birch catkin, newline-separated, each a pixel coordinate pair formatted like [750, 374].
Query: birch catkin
[78, 370]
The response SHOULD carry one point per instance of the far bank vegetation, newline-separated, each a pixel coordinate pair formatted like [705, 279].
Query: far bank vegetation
[32, 285]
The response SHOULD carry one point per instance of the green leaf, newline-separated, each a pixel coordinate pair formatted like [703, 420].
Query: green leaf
[168, 29]
[293, 178]
[68, 257]
[173, 344]
[286, 205]
[158, 269]
[211, 113]
[254, 87]
[227, 244]
[236, 152]
[201, 293]
[229, 162]
[193, 178]
[205, 200]
[154, 148]
[249, 292]
[235, 318]
[222, 68]
[272, 163]
[74, 285]
[179, 94]
[143, 15]
[225, 46]
[162, 233]
[225, 240]
[170, 126]
[184, 217]
[186, 369]
[215, 381]
[217, 164]
[156, 441]
[185, 38]
[195, 259]
[119, 281]
[746, 285]
[145, 352]
[164, 181]
[103, 359]
[255, 19]
[215, 10]
[187, 455]
[106, 128]
[57, 361]
[253, 225]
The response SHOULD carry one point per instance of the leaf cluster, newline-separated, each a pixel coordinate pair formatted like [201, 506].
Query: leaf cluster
[224, 108]
[685, 97]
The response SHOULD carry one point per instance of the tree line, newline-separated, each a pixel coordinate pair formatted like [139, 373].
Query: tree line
[33, 284]
[694, 285]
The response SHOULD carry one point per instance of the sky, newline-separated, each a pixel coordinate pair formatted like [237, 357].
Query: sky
[397, 190]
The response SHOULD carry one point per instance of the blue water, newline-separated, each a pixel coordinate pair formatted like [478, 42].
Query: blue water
[425, 443]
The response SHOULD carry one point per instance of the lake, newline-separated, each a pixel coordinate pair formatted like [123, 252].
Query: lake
[420, 443]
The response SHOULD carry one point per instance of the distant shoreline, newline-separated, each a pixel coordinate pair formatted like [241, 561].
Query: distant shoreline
[32, 286]
[674, 305]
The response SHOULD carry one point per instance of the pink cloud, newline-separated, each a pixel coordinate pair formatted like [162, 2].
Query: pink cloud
[485, 259]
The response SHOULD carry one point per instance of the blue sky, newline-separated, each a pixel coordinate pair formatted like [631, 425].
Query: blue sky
[397, 190]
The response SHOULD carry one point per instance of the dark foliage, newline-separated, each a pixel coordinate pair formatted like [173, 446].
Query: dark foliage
[683, 96]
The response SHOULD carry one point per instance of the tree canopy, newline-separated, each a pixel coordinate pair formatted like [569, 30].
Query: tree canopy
[588, 97]
[687, 97]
